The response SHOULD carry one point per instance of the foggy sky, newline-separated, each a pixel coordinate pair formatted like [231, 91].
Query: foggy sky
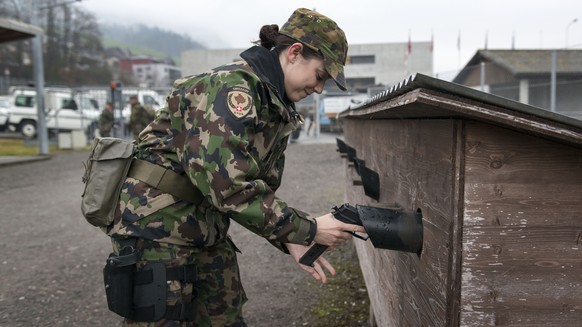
[234, 24]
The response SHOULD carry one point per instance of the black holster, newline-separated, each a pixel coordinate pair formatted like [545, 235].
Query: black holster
[118, 278]
[141, 295]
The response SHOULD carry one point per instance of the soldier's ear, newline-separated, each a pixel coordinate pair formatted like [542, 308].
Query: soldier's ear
[294, 51]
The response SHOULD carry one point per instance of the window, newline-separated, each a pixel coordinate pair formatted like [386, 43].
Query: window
[24, 101]
[149, 100]
[365, 59]
[69, 104]
[360, 83]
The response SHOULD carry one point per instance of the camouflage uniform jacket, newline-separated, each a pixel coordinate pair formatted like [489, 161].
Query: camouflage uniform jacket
[105, 123]
[226, 130]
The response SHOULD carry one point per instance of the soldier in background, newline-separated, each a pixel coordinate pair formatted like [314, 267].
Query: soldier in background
[106, 120]
[140, 117]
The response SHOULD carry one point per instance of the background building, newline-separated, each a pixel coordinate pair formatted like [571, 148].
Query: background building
[526, 76]
[145, 71]
[367, 66]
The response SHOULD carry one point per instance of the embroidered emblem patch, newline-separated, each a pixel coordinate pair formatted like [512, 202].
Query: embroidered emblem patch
[239, 102]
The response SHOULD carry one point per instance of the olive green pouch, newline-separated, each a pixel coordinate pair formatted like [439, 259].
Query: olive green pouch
[106, 169]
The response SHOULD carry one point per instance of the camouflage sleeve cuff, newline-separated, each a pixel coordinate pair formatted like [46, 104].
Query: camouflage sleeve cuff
[305, 232]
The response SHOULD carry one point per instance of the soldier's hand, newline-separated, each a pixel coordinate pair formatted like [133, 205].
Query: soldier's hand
[332, 232]
[298, 250]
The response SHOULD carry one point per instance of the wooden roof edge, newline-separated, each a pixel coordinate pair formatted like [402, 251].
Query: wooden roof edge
[495, 109]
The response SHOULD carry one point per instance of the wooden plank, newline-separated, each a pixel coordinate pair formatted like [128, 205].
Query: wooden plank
[517, 179]
[510, 273]
[522, 238]
[414, 161]
[508, 204]
[379, 284]
[454, 278]
[415, 172]
[422, 292]
[426, 103]
[393, 288]
[506, 156]
[527, 119]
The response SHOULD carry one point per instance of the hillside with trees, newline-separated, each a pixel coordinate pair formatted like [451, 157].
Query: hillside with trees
[75, 45]
[73, 51]
[147, 40]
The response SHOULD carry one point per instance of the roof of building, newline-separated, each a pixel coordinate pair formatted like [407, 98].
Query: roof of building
[528, 62]
[421, 96]
[12, 30]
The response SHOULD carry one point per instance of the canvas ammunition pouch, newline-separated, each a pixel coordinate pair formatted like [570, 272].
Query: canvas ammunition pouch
[105, 172]
[110, 161]
[141, 295]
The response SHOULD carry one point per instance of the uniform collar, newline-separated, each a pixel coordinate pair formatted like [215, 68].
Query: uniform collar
[267, 66]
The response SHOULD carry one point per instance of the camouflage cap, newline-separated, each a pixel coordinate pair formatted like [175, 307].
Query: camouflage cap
[322, 34]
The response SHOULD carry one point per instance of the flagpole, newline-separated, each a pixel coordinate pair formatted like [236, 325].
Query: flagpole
[432, 47]
[407, 56]
[459, 49]
[409, 68]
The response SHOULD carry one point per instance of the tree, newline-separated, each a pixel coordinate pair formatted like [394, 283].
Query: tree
[73, 52]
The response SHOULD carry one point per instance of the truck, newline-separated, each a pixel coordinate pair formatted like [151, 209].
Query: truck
[64, 111]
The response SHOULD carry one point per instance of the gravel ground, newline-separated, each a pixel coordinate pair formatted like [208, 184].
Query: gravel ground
[51, 259]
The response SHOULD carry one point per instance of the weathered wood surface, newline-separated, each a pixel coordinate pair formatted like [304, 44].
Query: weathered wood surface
[415, 160]
[500, 188]
[522, 240]
[514, 259]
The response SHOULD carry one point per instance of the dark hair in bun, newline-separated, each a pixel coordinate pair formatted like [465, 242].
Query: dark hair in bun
[269, 37]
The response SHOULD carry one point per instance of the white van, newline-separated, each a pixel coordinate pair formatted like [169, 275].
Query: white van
[63, 112]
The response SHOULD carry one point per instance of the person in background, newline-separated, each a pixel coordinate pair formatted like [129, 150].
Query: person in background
[139, 118]
[106, 120]
[215, 153]
[311, 124]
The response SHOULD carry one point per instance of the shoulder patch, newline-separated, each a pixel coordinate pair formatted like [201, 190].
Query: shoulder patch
[239, 102]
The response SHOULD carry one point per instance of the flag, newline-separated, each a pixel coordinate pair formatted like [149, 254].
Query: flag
[431, 41]
[409, 49]
[407, 56]
[459, 41]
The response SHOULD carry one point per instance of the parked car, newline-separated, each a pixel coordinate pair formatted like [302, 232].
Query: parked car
[4, 112]
[62, 111]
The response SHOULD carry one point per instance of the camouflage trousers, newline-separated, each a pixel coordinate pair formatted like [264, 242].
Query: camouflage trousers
[218, 292]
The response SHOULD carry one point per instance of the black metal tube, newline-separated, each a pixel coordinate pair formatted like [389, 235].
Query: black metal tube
[392, 229]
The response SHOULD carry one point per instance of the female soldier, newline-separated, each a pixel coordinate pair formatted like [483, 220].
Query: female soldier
[215, 153]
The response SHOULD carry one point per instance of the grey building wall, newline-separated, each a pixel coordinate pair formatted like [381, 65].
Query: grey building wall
[389, 65]
[200, 60]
